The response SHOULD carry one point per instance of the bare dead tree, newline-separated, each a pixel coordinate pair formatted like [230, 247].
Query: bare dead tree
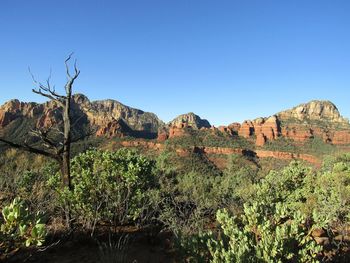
[57, 150]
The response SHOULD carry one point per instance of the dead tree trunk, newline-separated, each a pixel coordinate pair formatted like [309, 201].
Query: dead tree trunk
[65, 166]
[63, 154]
[67, 134]
[60, 151]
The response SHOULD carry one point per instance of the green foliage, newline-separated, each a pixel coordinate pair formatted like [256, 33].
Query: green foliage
[257, 237]
[194, 247]
[332, 193]
[210, 138]
[318, 147]
[109, 186]
[237, 184]
[289, 186]
[20, 226]
[271, 228]
[282, 144]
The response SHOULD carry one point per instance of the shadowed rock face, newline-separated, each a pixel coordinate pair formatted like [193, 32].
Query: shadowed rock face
[189, 120]
[103, 112]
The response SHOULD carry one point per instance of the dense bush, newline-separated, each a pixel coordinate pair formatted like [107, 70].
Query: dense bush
[109, 186]
[258, 236]
[278, 219]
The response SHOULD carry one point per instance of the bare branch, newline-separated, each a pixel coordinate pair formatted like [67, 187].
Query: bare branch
[66, 63]
[83, 136]
[76, 69]
[31, 149]
[44, 136]
[48, 91]
[48, 96]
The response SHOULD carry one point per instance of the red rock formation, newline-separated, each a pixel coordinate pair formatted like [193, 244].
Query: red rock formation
[48, 118]
[297, 133]
[178, 131]
[341, 137]
[224, 129]
[246, 130]
[112, 129]
[264, 129]
[235, 126]
[232, 129]
[191, 120]
[162, 135]
[14, 109]
[115, 128]
[260, 139]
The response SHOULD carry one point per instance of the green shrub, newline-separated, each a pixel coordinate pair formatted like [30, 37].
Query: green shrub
[209, 138]
[331, 197]
[237, 183]
[109, 186]
[20, 227]
[318, 147]
[282, 144]
[256, 237]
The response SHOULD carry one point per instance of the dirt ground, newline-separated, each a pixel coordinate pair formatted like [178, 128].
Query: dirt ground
[137, 249]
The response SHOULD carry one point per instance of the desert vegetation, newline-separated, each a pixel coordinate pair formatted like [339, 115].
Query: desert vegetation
[241, 214]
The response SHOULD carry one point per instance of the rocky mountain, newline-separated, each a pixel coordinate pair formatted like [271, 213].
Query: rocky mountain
[315, 110]
[189, 120]
[107, 117]
[305, 121]
[110, 118]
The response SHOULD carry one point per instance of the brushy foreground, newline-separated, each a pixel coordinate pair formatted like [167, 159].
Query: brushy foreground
[246, 213]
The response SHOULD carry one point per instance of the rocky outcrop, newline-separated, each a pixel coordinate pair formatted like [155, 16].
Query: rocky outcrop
[6, 118]
[296, 132]
[181, 126]
[14, 109]
[102, 112]
[189, 120]
[260, 139]
[316, 118]
[315, 110]
[341, 137]
[179, 130]
[246, 130]
[163, 134]
[264, 129]
[115, 128]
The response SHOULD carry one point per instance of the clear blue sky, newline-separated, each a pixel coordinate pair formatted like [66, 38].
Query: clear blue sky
[224, 60]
